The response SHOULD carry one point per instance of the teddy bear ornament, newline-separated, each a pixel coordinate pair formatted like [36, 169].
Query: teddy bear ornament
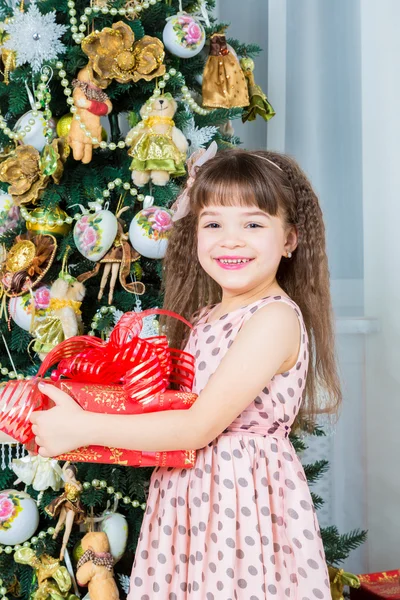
[95, 567]
[158, 148]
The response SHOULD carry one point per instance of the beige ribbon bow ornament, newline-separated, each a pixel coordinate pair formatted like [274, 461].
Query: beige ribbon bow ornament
[181, 207]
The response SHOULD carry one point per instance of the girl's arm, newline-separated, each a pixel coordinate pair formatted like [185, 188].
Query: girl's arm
[269, 340]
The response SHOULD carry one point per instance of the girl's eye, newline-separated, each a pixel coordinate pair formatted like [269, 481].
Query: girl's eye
[211, 226]
[253, 225]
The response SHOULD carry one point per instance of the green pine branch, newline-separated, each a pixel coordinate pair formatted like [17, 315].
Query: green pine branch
[338, 546]
[316, 470]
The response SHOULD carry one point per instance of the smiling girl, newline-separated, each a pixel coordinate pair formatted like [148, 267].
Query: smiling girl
[249, 260]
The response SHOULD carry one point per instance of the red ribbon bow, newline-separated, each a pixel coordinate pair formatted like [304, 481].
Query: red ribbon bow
[144, 367]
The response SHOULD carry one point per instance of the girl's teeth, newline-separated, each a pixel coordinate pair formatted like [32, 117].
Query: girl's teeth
[235, 261]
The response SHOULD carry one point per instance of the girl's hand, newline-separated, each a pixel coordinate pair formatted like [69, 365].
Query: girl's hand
[61, 428]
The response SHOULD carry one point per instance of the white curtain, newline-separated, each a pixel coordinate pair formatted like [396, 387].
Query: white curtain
[314, 59]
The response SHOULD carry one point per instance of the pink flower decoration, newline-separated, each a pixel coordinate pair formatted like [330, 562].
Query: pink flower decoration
[89, 238]
[193, 34]
[162, 220]
[184, 19]
[6, 507]
[42, 297]
[82, 223]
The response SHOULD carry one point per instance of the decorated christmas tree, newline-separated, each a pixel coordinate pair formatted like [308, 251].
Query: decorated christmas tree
[103, 106]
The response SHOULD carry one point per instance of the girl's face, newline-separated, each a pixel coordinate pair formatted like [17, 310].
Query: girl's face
[241, 247]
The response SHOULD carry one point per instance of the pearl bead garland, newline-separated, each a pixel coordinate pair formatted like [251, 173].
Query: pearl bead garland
[131, 13]
[12, 374]
[96, 484]
[3, 591]
[101, 312]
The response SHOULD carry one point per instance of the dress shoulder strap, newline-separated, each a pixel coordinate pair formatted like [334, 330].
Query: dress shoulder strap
[252, 308]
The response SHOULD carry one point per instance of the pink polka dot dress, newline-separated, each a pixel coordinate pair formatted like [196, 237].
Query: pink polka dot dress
[240, 525]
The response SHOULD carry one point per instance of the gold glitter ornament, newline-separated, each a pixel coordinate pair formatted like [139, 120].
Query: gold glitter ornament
[27, 262]
[20, 256]
[64, 124]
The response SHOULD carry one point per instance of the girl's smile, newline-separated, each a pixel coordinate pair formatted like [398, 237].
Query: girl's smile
[233, 262]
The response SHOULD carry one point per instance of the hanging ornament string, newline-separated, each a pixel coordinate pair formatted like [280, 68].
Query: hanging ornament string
[203, 13]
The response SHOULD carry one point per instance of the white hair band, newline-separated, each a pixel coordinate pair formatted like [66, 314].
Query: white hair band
[268, 160]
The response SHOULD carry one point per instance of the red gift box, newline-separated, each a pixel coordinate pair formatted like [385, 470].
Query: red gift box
[378, 585]
[126, 375]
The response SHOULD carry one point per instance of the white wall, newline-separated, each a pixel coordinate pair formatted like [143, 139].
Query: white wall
[381, 156]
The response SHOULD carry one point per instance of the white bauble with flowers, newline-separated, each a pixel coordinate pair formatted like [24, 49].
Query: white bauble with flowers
[19, 517]
[150, 230]
[184, 35]
[95, 233]
[21, 308]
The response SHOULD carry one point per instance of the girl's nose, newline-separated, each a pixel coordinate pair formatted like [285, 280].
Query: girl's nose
[232, 241]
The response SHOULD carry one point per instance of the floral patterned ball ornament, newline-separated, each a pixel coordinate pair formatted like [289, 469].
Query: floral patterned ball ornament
[19, 517]
[9, 213]
[38, 124]
[95, 233]
[184, 35]
[20, 307]
[150, 230]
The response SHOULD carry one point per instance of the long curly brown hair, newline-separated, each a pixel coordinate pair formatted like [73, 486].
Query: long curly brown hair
[238, 176]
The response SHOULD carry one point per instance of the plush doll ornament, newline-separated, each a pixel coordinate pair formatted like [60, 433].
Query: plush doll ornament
[63, 319]
[91, 103]
[95, 567]
[159, 148]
